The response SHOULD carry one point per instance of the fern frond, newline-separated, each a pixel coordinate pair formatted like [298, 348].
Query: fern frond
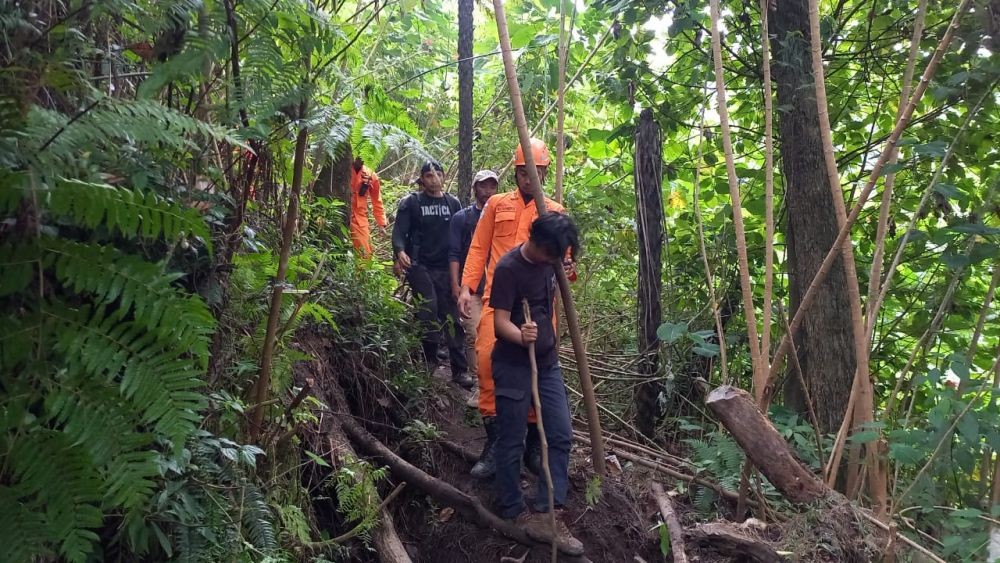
[130, 212]
[55, 141]
[139, 287]
[158, 382]
[257, 519]
[51, 477]
[332, 130]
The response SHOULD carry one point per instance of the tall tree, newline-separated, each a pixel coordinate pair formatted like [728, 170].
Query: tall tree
[649, 223]
[465, 134]
[825, 339]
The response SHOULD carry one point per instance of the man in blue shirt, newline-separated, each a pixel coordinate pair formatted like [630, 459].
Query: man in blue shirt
[463, 225]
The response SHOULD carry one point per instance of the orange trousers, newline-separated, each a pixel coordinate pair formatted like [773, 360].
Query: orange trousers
[485, 339]
[361, 238]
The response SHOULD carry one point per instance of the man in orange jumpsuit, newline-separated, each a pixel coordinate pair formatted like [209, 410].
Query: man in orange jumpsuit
[364, 185]
[505, 223]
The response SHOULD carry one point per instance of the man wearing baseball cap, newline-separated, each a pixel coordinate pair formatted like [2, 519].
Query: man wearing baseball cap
[463, 225]
[420, 246]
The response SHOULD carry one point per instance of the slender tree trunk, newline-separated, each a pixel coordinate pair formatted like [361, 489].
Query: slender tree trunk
[649, 224]
[825, 338]
[465, 133]
[334, 181]
[263, 383]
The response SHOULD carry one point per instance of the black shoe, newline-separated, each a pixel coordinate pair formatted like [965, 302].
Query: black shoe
[486, 467]
[464, 380]
[532, 457]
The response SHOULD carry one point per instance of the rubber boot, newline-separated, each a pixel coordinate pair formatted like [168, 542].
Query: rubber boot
[533, 450]
[486, 467]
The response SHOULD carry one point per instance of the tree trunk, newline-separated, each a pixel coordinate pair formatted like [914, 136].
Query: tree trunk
[649, 225]
[465, 133]
[825, 339]
[334, 181]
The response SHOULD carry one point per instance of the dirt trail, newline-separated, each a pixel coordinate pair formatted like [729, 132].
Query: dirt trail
[613, 528]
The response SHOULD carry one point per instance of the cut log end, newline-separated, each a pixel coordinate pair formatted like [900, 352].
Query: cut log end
[724, 393]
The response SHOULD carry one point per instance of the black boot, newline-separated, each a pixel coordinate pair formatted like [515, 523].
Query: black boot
[533, 450]
[486, 467]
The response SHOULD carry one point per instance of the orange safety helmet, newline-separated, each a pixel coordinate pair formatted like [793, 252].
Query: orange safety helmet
[539, 153]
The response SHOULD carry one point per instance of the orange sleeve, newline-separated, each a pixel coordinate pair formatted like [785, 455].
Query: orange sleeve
[377, 210]
[479, 249]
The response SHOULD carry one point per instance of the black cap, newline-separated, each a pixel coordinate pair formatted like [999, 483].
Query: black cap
[431, 165]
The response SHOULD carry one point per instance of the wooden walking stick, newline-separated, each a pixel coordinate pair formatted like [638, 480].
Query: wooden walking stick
[572, 321]
[537, 400]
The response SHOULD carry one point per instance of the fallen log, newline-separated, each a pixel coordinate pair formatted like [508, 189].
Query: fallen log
[765, 447]
[726, 540]
[769, 452]
[671, 522]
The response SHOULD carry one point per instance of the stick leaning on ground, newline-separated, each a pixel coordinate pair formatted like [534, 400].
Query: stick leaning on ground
[537, 400]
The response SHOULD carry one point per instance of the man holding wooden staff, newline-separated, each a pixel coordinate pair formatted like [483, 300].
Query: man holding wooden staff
[504, 224]
[526, 350]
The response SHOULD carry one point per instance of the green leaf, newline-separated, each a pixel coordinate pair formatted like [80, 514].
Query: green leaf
[671, 332]
[708, 350]
[933, 148]
[318, 460]
[968, 429]
[863, 437]
[947, 190]
[664, 539]
[892, 168]
[906, 454]
[974, 229]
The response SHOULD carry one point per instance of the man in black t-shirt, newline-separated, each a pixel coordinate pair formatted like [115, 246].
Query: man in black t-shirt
[527, 273]
[420, 245]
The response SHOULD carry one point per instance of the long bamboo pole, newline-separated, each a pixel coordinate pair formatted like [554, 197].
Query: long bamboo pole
[572, 320]
[765, 337]
[734, 194]
[883, 216]
[864, 407]
[560, 101]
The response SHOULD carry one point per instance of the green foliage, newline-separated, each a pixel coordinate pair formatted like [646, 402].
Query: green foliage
[104, 361]
[593, 493]
[720, 456]
[208, 507]
[355, 483]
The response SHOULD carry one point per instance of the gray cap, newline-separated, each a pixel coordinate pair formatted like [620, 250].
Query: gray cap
[485, 175]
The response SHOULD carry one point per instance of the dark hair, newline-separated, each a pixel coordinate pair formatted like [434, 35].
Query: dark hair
[554, 233]
[431, 165]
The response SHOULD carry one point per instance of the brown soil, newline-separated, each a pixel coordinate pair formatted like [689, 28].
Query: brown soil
[613, 529]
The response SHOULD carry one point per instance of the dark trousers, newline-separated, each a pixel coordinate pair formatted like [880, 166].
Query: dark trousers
[513, 396]
[437, 312]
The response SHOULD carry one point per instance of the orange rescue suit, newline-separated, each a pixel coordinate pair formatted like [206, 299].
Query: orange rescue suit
[360, 233]
[504, 224]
